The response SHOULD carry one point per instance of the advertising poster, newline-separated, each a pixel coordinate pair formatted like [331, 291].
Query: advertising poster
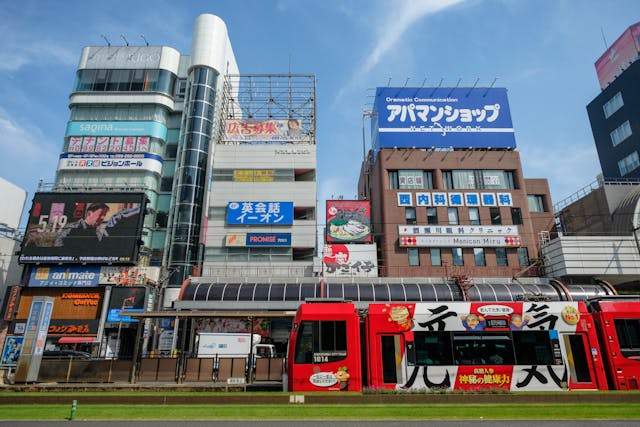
[11, 351]
[264, 131]
[349, 260]
[126, 298]
[348, 221]
[83, 228]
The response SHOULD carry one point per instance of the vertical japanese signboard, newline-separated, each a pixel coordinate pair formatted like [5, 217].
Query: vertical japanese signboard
[35, 337]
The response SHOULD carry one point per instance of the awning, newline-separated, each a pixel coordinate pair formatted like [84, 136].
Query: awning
[76, 340]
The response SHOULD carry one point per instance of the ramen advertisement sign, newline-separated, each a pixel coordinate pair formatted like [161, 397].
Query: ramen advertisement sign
[349, 260]
[348, 221]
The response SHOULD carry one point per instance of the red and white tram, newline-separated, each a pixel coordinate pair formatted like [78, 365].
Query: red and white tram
[515, 346]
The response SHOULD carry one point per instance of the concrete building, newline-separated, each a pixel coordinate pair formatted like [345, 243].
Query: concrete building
[598, 225]
[10, 214]
[615, 113]
[447, 192]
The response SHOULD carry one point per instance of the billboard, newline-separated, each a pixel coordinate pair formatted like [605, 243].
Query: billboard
[264, 131]
[97, 228]
[348, 221]
[441, 117]
[260, 213]
[64, 276]
[91, 162]
[349, 260]
[126, 298]
[258, 239]
[624, 51]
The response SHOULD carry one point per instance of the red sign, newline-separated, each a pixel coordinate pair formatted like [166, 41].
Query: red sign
[12, 303]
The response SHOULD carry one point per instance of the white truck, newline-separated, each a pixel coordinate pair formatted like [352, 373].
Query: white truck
[216, 344]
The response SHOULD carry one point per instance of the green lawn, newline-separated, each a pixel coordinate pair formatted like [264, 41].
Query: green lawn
[324, 412]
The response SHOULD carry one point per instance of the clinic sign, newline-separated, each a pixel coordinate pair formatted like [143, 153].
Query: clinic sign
[442, 117]
[260, 213]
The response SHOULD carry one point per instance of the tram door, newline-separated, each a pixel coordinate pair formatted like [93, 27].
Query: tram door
[391, 351]
[580, 362]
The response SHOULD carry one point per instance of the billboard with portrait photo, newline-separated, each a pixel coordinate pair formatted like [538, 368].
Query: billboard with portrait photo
[100, 228]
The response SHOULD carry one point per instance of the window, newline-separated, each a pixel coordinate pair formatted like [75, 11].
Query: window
[501, 257]
[478, 256]
[327, 337]
[432, 216]
[478, 179]
[620, 133]
[536, 202]
[414, 257]
[533, 348]
[410, 179]
[457, 256]
[496, 217]
[613, 105]
[628, 331]
[410, 215]
[516, 216]
[629, 163]
[432, 348]
[452, 214]
[483, 349]
[474, 216]
[523, 256]
[436, 256]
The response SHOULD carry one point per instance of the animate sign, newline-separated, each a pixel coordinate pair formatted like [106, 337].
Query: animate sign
[428, 117]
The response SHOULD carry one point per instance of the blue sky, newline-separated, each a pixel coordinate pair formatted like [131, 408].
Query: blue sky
[542, 51]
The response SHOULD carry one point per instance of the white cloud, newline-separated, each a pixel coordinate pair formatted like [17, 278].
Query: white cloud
[26, 152]
[398, 18]
[18, 52]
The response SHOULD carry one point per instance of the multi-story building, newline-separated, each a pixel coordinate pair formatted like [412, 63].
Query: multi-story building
[447, 191]
[262, 204]
[129, 201]
[598, 225]
[615, 113]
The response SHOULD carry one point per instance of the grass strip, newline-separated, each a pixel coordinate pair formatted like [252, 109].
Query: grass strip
[321, 412]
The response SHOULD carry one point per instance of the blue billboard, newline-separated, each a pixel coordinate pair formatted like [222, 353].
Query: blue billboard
[130, 128]
[260, 213]
[64, 276]
[441, 117]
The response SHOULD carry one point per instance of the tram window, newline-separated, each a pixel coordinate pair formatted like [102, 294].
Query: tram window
[533, 348]
[483, 349]
[433, 348]
[321, 341]
[628, 331]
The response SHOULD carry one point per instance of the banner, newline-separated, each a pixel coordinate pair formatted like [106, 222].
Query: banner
[430, 117]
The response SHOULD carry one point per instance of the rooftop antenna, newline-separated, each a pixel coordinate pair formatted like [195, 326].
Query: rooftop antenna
[125, 40]
[490, 86]
[435, 88]
[455, 87]
[473, 87]
[389, 82]
[604, 39]
[145, 39]
[105, 39]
